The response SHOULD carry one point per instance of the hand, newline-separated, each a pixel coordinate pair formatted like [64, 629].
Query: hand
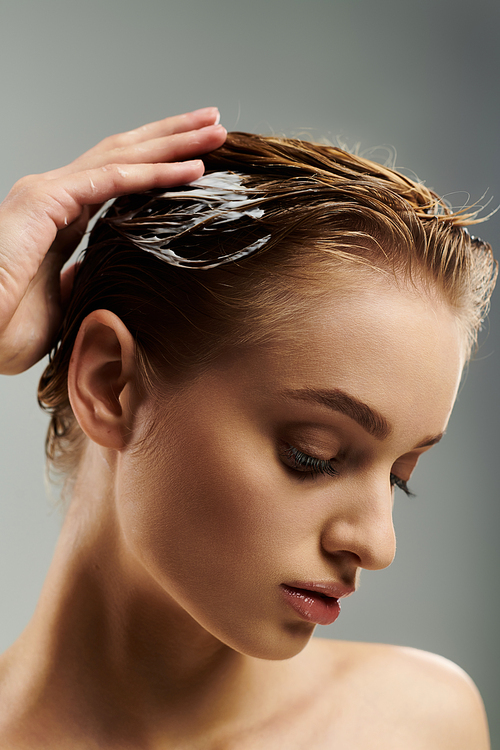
[44, 216]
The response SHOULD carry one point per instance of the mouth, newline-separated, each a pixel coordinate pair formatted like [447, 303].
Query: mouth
[317, 603]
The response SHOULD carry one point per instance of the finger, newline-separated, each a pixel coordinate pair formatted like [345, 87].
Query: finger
[172, 148]
[35, 211]
[168, 148]
[68, 239]
[96, 186]
[201, 118]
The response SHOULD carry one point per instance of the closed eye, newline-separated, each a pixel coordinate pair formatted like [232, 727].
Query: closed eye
[305, 465]
[401, 484]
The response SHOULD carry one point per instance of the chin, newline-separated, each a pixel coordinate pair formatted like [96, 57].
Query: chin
[278, 646]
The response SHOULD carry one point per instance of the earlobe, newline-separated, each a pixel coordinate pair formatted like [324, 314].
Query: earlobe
[101, 379]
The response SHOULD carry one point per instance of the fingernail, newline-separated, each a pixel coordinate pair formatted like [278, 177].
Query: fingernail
[213, 128]
[209, 111]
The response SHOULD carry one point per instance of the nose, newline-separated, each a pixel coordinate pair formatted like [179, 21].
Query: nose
[361, 524]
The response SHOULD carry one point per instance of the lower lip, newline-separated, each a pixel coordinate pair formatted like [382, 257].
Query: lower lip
[312, 606]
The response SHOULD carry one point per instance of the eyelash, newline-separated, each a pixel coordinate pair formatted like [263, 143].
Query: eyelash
[306, 466]
[401, 485]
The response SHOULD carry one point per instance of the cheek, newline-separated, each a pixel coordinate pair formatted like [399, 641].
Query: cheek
[204, 510]
[217, 535]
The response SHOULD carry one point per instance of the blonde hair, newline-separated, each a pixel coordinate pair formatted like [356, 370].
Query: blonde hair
[303, 209]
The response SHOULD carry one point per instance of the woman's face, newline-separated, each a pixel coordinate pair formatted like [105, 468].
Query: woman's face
[274, 472]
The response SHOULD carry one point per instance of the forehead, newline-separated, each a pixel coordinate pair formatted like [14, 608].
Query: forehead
[397, 348]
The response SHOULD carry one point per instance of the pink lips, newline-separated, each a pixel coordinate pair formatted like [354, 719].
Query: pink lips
[315, 602]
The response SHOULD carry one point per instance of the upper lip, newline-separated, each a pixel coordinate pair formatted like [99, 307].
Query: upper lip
[332, 589]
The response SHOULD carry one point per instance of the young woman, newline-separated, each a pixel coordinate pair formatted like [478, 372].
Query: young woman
[248, 366]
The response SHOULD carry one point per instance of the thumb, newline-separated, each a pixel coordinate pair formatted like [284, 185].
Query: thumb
[67, 278]
[67, 240]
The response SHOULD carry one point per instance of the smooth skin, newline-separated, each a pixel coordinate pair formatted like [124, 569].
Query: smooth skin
[162, 622]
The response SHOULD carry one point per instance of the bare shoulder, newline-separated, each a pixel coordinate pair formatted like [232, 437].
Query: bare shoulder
[423, 699]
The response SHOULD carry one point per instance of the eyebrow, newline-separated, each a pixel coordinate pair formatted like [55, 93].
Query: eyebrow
[368, 418]
[430, 441]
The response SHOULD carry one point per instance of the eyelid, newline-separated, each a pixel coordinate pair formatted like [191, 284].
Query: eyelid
[312, 438]
[304, 464]
[401, 484]
[404, 467]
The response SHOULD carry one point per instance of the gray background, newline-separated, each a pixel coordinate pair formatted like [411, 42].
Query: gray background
[420, 77]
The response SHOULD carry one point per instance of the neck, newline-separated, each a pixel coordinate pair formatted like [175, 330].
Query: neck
[106, 637]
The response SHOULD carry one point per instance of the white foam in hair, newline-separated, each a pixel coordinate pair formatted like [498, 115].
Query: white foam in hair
[214, 203]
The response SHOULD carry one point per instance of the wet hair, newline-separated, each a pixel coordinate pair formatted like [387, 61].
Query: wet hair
[239, 256]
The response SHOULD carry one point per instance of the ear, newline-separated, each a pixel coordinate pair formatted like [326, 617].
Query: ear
[102, 379]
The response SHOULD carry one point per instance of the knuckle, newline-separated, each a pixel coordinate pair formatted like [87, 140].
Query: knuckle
[34, 193]
[116, 171]
[28, 182]
[122, 140]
